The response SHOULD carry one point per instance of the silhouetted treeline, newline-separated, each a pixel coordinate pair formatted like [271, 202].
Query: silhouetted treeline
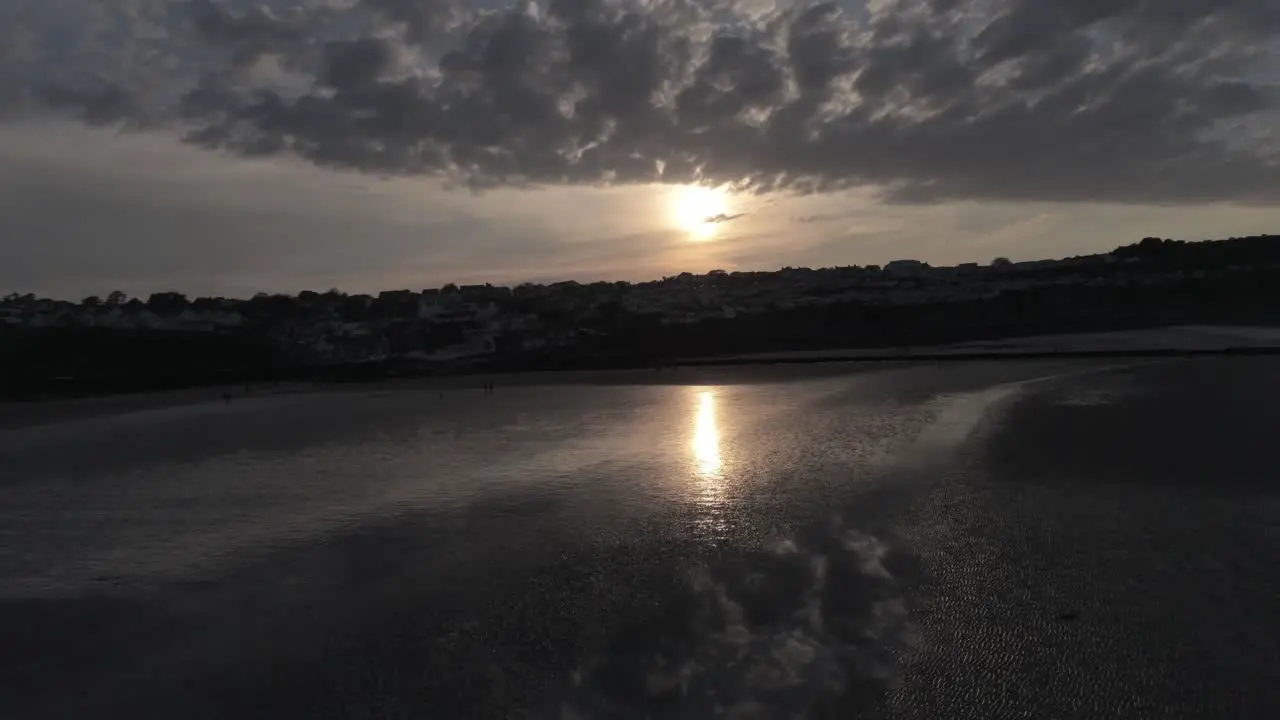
[1252, 251]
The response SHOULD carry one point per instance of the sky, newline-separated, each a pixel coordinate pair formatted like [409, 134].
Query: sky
[229, 147]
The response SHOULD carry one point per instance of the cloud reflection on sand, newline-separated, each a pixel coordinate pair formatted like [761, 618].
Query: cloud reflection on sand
[811, 624]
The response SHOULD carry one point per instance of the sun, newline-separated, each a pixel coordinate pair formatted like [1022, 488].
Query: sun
[698, 209]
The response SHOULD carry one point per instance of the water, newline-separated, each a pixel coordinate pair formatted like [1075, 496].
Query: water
[967, 540]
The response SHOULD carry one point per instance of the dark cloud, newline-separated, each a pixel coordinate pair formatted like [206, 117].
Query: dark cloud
[254, 30]
[723, 218]
[420, 19]
[354, 63]
[1073, 100]
[104, 105]
[819, 218]
[260, 25]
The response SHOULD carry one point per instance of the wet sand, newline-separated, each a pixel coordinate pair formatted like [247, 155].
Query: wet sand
[980, 540]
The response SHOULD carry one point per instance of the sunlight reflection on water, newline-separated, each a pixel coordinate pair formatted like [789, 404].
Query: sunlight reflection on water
[708, 465]
[706, 437]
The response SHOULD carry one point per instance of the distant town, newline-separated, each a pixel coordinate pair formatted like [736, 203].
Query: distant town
[102, 342]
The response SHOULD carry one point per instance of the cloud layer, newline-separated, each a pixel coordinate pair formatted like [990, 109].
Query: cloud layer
[1163, 101]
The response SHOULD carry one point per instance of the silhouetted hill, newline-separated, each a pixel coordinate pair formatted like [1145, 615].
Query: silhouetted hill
[1257, 250]
[117, 344]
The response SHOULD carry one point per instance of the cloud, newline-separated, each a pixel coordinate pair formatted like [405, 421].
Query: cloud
[1130, 101]
[819, 218]
[723, 218]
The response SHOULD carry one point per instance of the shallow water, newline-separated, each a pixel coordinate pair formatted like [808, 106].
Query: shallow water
[900, 542]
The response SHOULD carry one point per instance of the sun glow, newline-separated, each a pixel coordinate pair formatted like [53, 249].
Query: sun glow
[698, 210]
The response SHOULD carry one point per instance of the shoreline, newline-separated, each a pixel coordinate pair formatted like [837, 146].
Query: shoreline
[1169, 342]
[16, 414]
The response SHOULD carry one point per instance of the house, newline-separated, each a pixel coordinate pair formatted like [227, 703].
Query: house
[906, 269]
[430, 305]
[396, 296]
[485, 293]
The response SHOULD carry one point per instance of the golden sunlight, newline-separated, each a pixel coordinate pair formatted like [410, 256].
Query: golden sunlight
[698, 209]
[706, 436]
